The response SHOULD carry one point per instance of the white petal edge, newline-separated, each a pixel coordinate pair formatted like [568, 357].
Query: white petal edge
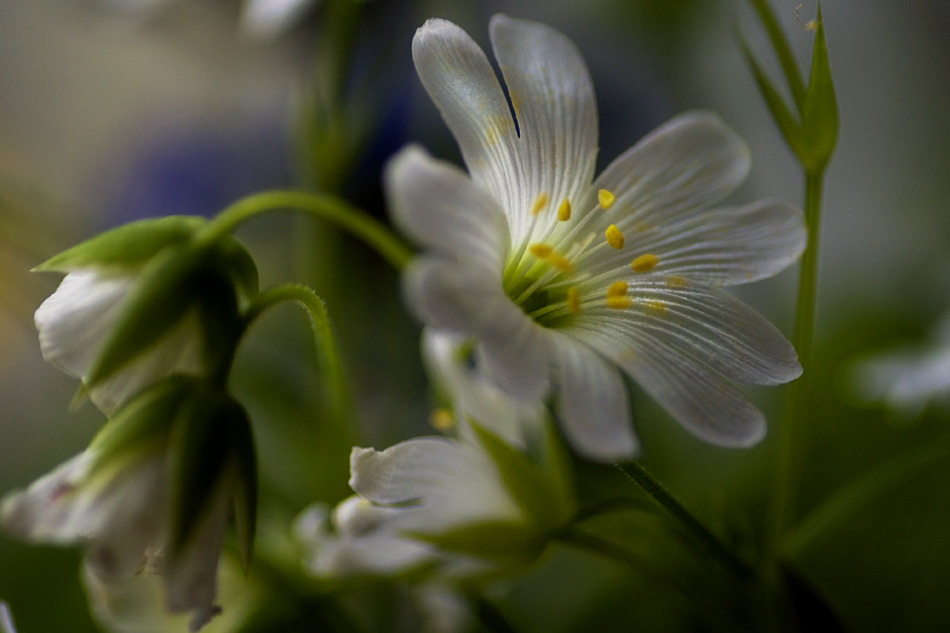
[592, 403]
[440, 206]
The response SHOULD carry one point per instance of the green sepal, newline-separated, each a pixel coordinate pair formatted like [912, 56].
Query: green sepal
[126, 247]
[245, 486]
[528, 484]
[146, 418]
[820, 115]
[782, 51]
[162, 294]
[786, 122]
[558, 471]
[197, 460]
[499, 541]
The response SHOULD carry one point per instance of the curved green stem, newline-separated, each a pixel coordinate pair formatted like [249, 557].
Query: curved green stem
[323, 333]
[793, 430]
[331, 208]
[706, 539]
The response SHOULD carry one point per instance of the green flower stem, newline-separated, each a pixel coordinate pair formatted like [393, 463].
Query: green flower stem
[712, 612]
[326, 347]
[792, 436]
[706, 539]
[331, 208]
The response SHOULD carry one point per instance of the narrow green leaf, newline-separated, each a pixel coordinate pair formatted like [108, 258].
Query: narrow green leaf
[158, 300]
[197, 459]
[147, 416]
[526, 482]
[127, 246]
[820, 117]
[500, 541]
[783, 52]
[245, 493]
[784, 120]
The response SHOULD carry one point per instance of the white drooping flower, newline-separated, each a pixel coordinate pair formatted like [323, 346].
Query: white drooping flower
[75, 320]
[455, 507]
[562, 280]
[907, 379]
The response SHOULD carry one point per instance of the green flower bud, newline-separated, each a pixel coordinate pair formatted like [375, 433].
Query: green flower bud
[143, 302]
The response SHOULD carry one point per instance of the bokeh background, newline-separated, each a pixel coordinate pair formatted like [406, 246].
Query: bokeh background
[109, 115]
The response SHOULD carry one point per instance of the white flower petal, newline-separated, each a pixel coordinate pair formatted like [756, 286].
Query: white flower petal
[383, 553]
[553, 99]
[6, 619]
[723, 246]
[440, 206]
[461, 82]
[267, 19]
[450, 484]
[688, 163]
[74, 320]
[592, 399]
[514, 420]
[704, 323]
[513, 352]
[700, 400]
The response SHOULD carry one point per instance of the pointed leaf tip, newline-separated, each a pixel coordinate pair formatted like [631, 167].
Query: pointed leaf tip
[820, 115]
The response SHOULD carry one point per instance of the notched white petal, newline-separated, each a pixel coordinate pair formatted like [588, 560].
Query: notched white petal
[440, 206]
[592, 403]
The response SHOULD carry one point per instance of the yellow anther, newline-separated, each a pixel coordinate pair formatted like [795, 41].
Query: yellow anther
[564, 211]
[617, 289]
[442, 419]
[644, 263]
[541, 251]
[560, 262]
[539, 203]
[614, 237]
[675, 281]
[573, 300]
[618, 303]
[605, 198]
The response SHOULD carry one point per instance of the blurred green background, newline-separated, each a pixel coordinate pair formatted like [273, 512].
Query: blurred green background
[108, 117]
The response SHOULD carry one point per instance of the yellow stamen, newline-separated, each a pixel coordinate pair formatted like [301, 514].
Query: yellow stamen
[564, 211]
[618, 303]
[644, 263]
[573, 300]
[605, 198]
[675, 281]
[617, 289]
[539, 203]
[541, 251]
[614, 237]
[560, 262]
[442, 419]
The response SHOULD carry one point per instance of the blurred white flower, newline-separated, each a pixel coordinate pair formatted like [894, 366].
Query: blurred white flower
[456, 507]
[6, 619]
[558, 276]
[906, 380]
[75, 320]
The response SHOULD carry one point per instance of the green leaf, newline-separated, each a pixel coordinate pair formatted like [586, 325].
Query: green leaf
[197, 458]
[127, 246]
[146, 417]
[528, 484]
[783, 52]
[557, 467]
[784, 120]
[820, 116]
[500, 541]
[158, 300]
[245, 492]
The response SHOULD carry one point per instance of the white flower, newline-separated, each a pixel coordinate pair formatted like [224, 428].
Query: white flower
[516, 421]
[75, 320]
[445, 504]
[6, 619]
[562, 278]
[906, 380]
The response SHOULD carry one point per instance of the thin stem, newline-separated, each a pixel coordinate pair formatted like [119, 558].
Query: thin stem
[792, 436]
[611, 551]
[371, 231]
[329, 358]
[706, 539]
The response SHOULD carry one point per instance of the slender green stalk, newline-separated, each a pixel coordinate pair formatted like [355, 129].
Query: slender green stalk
[331, 208]
[783, 51]
[329, 358]
[794, 424]
[712, 612]
[706, 539]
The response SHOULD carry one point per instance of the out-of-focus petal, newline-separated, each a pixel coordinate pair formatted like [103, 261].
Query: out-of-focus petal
[267, 19]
